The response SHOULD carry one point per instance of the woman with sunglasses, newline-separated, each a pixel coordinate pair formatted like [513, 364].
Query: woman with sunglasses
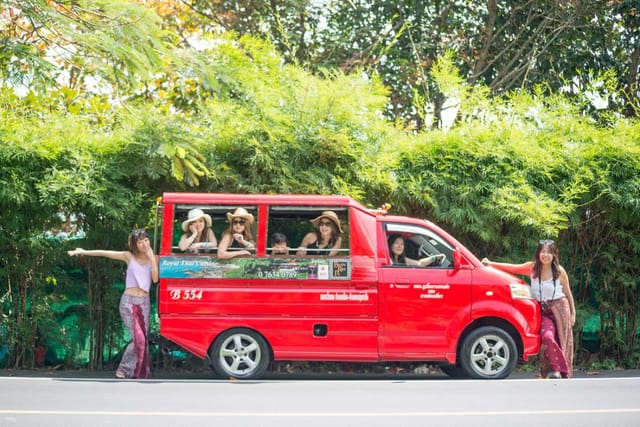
[326, 239]
[550, 286]
[142, 270]
[237, 239]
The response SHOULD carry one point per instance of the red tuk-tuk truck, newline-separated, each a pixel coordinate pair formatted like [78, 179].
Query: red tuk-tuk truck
[353, 305]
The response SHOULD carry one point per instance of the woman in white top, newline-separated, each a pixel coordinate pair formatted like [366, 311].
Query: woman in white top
[198, 236]
[550, 286]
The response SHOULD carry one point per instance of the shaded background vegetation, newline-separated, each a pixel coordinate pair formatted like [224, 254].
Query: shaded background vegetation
[505, 122]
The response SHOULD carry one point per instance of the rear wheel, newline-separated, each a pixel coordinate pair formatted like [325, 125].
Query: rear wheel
[240, 353]
[488, 353]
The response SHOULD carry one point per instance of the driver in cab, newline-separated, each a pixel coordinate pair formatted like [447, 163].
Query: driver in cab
[396, 252]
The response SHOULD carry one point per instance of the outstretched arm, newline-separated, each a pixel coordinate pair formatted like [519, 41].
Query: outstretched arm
[117, 255]
[524, 268]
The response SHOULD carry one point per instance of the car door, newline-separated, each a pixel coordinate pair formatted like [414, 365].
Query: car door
[423, 308]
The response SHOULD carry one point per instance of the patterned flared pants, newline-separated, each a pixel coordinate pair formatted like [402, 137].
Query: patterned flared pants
[134, 311]
[556, 351]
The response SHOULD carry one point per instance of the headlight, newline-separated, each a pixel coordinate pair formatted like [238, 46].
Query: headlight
[520, 291]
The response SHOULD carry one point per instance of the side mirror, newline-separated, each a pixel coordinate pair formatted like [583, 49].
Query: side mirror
[459, 261]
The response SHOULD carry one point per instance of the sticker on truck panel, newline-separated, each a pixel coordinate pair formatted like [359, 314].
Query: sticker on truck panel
[190, 267]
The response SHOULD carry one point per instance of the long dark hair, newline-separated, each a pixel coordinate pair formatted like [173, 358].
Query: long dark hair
[334, 235]
[390, 240]
[134, 236]
[204, 236]
[246, 233]
[536, 270]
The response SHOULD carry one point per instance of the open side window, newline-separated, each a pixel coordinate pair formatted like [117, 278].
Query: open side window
[419, 242]
[294, 222]
[219, 223]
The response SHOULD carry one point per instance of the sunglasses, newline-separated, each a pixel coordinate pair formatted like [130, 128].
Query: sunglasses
[324, 223]
[546, 242]
[238, 221]
[139, 232]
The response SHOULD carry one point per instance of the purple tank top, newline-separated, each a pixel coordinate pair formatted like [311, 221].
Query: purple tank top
[138, 276]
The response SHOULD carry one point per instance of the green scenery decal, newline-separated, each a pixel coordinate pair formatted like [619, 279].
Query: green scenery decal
[207, 267]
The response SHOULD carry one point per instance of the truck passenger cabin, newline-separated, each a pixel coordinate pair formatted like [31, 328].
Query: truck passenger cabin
[340, 298]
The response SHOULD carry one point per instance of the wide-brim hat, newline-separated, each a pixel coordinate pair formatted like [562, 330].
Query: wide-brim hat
[193, 215]
[240, 213]
[331, 216]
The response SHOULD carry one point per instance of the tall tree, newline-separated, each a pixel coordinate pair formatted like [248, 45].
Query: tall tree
[502, 44]
[87, 45]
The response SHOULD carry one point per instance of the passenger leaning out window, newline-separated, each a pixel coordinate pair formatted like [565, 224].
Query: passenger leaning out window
[237, 239]
[279, 244]
[197, 236]
[326, 239]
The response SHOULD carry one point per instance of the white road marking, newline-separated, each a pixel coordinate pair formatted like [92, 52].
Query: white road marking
[319, 414]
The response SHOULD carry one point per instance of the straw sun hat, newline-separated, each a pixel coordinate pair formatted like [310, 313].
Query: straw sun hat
[240, 213]
[193, 215]
[331, 216]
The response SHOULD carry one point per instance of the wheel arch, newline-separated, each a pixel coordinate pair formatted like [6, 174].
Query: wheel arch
[495, 322]
[243, 327]
[239, 329]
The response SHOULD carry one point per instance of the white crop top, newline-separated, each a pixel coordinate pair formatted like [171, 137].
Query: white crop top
[548, 290]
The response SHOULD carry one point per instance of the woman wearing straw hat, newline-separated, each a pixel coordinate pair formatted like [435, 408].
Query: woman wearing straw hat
[237, 239]
[326, 240]
[198, 236]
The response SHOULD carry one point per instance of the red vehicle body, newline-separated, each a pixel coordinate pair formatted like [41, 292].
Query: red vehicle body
[244, 312]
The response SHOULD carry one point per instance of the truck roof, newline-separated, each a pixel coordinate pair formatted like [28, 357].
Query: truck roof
[256, 199]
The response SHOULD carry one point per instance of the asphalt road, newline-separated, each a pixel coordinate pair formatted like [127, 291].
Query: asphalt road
[606, 399]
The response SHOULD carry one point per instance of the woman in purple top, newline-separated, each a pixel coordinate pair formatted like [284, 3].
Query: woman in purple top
[142, 270]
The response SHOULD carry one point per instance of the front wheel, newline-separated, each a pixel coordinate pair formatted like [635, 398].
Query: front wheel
[454, 371]
[240, 353]
[488, 353]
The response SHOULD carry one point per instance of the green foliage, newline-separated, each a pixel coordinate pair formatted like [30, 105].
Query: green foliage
[501, 44]
[108, 44]
[170, 146]
[239, 117]
[279, 129]
[607, 364]
[70, 164]
[606, 243]
[483, 182]
[531, 166]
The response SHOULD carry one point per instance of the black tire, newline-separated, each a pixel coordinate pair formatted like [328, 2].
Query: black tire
[454, 371]
[240, 353]
[488, 353]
